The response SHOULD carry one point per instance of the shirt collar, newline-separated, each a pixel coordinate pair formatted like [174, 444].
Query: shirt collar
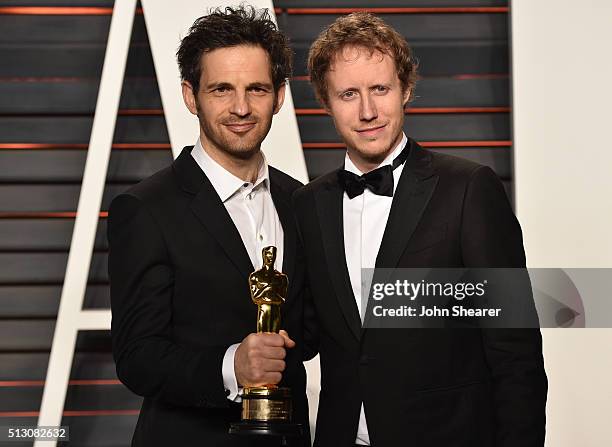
[349, 166]
[225, 183]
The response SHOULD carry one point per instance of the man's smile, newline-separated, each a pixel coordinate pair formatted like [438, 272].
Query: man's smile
[240, 127]
[371, 131]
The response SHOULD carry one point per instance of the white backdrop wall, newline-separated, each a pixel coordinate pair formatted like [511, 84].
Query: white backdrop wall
[562, 101]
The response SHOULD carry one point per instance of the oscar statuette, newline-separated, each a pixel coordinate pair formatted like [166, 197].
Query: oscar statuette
[266, 410]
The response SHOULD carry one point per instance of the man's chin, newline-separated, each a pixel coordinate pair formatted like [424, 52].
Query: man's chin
[242, 149]
[373, 151]
[246, 153]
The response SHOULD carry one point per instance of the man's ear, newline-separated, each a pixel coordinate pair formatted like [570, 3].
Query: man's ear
[280, 98]
[189, 97]
[323, 102]
[325, 105]
[406, 96]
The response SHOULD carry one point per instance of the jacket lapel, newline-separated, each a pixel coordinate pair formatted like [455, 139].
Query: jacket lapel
[414, 190]
[211, 212]
[329, 211]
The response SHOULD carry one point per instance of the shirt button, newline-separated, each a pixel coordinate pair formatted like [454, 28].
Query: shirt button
[249, 196]
[261, 237]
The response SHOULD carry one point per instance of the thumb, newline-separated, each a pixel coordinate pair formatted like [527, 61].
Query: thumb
[288, 342]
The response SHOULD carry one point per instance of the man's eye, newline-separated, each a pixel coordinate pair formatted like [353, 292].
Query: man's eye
[258, 90]
[221, 90]
[381, 89]
[348, 95]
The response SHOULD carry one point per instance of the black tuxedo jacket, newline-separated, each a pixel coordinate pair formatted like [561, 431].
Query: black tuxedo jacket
[422, 387]
[180, 297]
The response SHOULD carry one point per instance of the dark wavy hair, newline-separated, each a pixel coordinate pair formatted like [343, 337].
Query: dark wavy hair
[230, 27]
[360, 29]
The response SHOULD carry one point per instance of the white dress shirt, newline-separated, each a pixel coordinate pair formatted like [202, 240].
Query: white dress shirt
[365, 219]
[252, 210]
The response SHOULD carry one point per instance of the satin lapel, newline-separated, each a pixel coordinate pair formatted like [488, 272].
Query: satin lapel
[285, 214]
[414, 190]
[211, 212]
[329, 211]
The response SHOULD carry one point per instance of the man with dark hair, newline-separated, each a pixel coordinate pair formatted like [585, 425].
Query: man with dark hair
[397, 205]
[184, 241]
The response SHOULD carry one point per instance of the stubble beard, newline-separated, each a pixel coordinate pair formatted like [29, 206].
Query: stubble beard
[373, 157]
[243, 148]
[377, 157]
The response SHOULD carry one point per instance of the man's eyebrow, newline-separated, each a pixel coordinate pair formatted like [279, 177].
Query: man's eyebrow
[346, 89]
[263, 85]
[382, 84]
[221, 84]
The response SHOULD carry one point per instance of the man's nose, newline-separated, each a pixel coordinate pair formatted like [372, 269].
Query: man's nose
[367, 109]
[240, 105]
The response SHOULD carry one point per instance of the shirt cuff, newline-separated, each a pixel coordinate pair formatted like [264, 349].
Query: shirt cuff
[229, 376]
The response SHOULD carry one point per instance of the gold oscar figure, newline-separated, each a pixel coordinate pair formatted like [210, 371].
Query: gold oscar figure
[268, 290]
[267, 409]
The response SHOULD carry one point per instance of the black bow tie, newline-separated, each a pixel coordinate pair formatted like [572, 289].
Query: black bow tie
[379, 180]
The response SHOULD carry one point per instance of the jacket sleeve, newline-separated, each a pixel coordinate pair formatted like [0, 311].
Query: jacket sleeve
[311, 327]
[311, 330]
[491, 237]
[149, 362]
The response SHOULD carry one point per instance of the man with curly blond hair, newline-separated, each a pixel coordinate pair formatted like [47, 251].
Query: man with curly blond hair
[396, 205]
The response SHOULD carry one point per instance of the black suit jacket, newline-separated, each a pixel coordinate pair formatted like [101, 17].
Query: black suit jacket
[424, 387]
[180, 297]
